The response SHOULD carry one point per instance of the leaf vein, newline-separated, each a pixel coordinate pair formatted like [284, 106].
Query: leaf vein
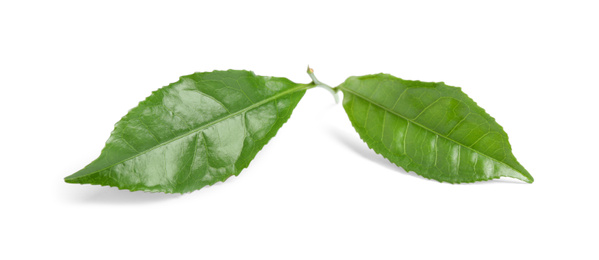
[422, 126]
[203, 127]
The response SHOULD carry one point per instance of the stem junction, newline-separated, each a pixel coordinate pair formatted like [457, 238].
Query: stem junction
[317, 82]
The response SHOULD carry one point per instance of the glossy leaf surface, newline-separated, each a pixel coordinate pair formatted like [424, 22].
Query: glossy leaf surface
[195, 132]
[433, 129]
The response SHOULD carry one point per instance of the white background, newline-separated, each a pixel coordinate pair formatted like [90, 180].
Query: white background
[70, 70]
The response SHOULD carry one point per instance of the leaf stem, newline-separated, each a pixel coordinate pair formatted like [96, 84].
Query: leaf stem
[317, 82]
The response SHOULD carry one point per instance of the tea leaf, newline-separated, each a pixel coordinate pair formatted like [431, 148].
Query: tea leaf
[433, 129]
[195, 132]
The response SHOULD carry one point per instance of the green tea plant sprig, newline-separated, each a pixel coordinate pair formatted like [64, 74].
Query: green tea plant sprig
[208, 126]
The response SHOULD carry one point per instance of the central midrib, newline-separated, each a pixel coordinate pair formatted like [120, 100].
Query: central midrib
[202, 127]
[424, 127]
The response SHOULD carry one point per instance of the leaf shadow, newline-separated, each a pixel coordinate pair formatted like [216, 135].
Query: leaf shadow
[114, 196]
[360, 148]
[503, 180]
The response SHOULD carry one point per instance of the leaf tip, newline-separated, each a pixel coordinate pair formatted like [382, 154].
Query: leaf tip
[70, 179]
[529, 179]
[524, 176]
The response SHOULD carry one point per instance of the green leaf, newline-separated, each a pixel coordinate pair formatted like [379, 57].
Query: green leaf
[195, 132]
[433, 129]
